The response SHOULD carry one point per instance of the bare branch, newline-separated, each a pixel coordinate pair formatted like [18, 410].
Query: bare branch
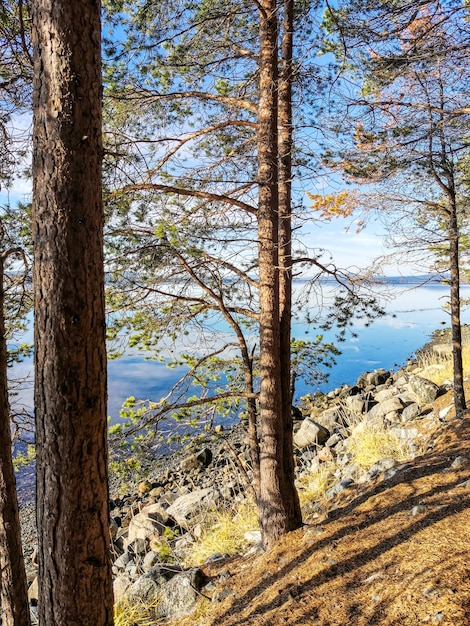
[186, 192]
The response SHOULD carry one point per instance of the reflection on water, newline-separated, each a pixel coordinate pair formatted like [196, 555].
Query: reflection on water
[389, 342]
[411, 318]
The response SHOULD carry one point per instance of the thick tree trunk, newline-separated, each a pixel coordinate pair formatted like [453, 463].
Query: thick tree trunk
[285, 254]
[75, 583]
[14, 606]
[275, 502]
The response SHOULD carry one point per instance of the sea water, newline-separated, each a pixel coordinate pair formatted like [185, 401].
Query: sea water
[412, 314]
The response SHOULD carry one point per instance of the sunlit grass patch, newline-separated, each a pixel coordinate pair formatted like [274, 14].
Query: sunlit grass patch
[136, 614]
[313, 485]
[438, 366]
[224, 532]
[371, 443]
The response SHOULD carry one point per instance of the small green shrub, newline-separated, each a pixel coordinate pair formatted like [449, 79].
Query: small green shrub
[163, 545]
[21, 460]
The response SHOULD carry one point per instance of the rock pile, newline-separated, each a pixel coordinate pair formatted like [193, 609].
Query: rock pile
[154, 529]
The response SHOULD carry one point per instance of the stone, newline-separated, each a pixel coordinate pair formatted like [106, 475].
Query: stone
[410, 412]
[445, 411]
[120, 585]
[330, 418]
[137, 546]
[377, 377]
[297, 413]
[344, 459]
[381, 409]
[425, 390]
[145, 487]
[393, 471]
[253, 536]
[406, 434]
[333, 440]
[150, 560]
[378, 468]
[459, 461]
[356, 404]
[417, 509]
[122, 561]
[385, 394]
[338, 488]
[352, 391]
[204, 457]
[310, 433]
[33, 591]
[143, 590]
[201, 459]
[326, 454]
[149, 523]
[156, 492]
[178, 597]
[186, 509]
[189, 463]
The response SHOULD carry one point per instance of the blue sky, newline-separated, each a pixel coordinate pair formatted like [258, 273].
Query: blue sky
[348, 248]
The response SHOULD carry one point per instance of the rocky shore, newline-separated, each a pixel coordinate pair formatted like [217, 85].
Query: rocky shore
[155, 524]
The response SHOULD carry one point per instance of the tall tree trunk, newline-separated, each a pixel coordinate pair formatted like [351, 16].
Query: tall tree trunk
[456, 327]
[75, 582]
[285, 252]
[275, 502]
[14, 606]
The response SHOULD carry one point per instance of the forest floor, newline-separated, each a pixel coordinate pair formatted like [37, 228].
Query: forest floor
[394, 552]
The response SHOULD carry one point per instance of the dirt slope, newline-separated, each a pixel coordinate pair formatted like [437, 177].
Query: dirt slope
[391, 553]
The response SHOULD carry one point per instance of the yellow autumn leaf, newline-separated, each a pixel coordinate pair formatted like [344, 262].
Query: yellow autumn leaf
[340, 204]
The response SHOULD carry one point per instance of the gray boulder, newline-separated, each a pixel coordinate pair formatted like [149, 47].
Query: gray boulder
[373, 379]
[148, 587]
[310, 433]
[187, 508]
[179, 595]
[410, 412]
[144, 590]
[425, 390]
[120, 585]
[201, 459]
[392, 405]
[150, 522]
[356, 404]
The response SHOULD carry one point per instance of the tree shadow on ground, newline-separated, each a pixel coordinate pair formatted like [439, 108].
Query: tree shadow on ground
[427, 482]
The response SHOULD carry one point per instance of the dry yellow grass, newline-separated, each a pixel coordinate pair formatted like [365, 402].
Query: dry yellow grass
[438, 367]
[132, 614]
[224, 532]
[372, 558]
[313, 485]
[372, 443]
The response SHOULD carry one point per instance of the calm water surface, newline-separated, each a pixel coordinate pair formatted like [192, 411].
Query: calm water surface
[389, 342]
[412, 315]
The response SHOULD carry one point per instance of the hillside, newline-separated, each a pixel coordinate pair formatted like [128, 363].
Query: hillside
[392, 552]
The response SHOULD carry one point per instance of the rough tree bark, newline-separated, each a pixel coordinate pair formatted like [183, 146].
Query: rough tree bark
[75, 583]
[14, 606]
[285, 254]
[460, 403]
[276, 495]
